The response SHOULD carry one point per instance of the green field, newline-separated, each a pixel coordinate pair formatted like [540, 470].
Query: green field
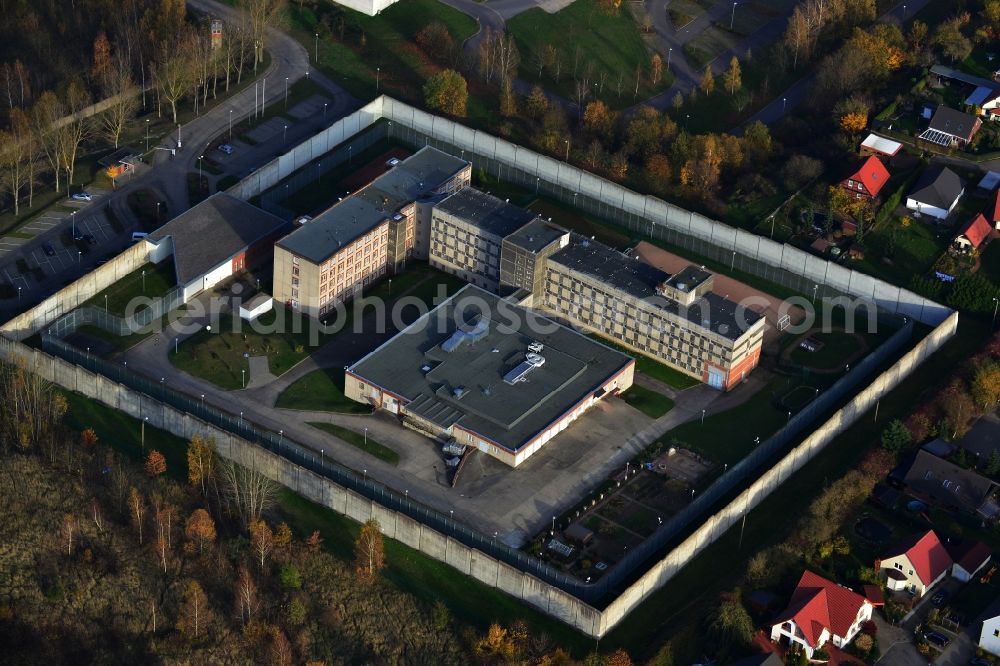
[320, 391]
[158, 280]
[650, 403]
[360, 441]
[376, 47]
[911, 251]
[584, 35]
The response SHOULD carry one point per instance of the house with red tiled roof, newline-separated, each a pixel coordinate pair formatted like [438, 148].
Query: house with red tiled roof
[915, 565]
[968, 557]
[973, 234]
[868, 180]
[820, 612]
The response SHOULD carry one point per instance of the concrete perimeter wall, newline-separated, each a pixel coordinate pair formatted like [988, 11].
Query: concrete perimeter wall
[74, 295]
[471, 561]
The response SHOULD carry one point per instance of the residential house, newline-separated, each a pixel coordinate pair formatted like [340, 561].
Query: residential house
[973, 234]
[968, 557]
[987, 99]
[950, 128]
[989, 634]
[950, 487]
[868, 180]
[821, 612]
[936, 193]
[878, 145]
[915, 565]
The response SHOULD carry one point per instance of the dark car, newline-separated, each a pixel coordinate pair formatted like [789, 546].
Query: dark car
[979, 661]
[939, 598]
[90, 239]
[48, 249]
[934, 638]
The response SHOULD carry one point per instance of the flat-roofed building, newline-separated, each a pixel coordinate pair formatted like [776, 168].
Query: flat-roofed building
[524, 254]
[371, 233]
[676, 319]
[481, 371]
[467, 232]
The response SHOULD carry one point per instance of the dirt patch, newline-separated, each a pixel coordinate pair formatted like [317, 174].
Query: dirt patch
[373, 169]
[728, 287]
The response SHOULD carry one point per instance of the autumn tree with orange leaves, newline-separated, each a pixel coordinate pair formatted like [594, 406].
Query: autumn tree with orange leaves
[369, 554]
[155, 464]
[200, 529]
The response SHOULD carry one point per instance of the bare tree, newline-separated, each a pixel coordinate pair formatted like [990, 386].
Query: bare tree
[44, 114]
[136, 510]
[247, 604]
[174, 73]
[74, 129]
[262, 14]
[369, 553]
[67, 530]
[261, 541]
[248, 491]
[32, 409]
[119, 88]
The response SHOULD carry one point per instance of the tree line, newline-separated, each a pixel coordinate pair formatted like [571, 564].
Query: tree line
[144, 54]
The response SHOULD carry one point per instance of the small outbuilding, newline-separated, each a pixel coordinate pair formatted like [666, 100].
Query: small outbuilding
[578, 533]
[936, 193]
[256, 306]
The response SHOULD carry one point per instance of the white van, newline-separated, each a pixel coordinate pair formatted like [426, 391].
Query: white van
[138, 235]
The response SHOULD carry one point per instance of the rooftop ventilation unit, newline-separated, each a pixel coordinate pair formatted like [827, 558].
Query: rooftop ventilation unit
[520, 373]
[536, 347]
[459, 391]
[466, 334]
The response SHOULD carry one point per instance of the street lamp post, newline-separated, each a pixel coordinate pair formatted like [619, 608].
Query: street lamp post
[316, 53]
[566, 141]
[286, 92]
[366, 436]
[230, 125]
[243, 372]
[73, 217]
[324, 110]
[732, 18]
[79, 256]
[284, 134]
[105, 304]
[996, 303]
[147, 135]
[199, 170]
[378, 73]
[784, 101]
[144, 281]
[142, 436]
[179, 135]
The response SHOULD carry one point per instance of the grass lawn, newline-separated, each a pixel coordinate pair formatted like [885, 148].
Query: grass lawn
[652, 368]
[989, 265]
[911, 251]
[217, 356]
[366, 444]
[727, 437]
[382, 47]
[650, 403]
[144, 204]
[411, 571]
[584, 35]
[159, 279]
[837, 348]
[320, 391]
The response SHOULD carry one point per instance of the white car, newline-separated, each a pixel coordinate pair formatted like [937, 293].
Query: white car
[299, 221]
[226, 148]
[81, 196]
[392, 163]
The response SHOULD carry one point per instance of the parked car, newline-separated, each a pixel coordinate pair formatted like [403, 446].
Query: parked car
[226, 148]
[138, 236]
[90, 239]
[934, 638]
[48, 249]
[81, 196]
[939, 598]
[299, 221]
[393, 162]
[980, 661]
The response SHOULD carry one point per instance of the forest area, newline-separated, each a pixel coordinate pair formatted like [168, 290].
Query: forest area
[138, 556]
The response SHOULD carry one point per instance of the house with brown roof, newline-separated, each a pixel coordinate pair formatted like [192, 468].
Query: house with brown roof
[867, 180]
[950, 127]
[968, 557]
[973, 234]
[951, 487]
[820, 612]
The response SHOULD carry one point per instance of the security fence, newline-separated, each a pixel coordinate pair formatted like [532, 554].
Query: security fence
[595, 592]
[94, 315]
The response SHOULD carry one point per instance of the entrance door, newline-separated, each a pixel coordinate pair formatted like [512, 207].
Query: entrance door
[716, 378]
[390, 404]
